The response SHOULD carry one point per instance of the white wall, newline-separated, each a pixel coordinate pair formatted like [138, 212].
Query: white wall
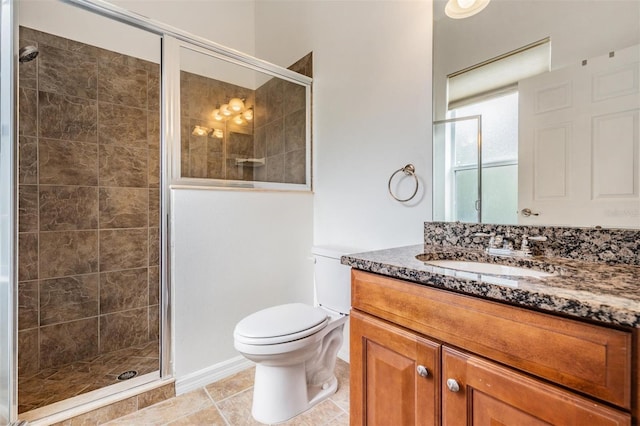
[66, 20]
[235, 253]
[226, 22]
[371, 110]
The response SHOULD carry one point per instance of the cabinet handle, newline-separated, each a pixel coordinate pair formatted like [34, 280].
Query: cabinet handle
[453, 385]
[422, 371]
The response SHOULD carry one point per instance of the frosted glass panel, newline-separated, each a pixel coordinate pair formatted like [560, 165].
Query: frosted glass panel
[500, 194]
[499, 127]
[464, 135]
[466, 195]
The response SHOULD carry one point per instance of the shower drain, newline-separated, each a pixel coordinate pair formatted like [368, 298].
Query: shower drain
[128, 375]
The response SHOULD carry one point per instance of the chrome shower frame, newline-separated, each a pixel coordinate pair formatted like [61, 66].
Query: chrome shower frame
[8, 212]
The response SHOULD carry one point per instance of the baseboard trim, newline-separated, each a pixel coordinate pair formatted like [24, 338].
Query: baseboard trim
[201, 378]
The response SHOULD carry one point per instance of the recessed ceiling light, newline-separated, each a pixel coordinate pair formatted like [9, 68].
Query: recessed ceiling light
[458, 9]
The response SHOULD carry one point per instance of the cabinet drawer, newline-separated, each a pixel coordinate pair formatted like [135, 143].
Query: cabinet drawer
[588, 358]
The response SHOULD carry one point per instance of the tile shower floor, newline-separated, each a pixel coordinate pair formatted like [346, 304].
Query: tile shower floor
[228, 403]
[56, 384]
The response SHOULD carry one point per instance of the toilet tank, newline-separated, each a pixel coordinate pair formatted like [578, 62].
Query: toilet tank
[332, 279]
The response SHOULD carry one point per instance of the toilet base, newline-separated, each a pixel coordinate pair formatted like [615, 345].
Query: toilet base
[281, 393]
[294, 376]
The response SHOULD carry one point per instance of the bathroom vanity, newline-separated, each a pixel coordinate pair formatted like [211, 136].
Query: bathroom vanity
[434, 346]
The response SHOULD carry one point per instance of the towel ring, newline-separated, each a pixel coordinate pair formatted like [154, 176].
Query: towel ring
[408, 170]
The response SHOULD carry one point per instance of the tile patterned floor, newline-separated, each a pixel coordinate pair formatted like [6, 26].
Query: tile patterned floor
[56, 384]
[228, 403]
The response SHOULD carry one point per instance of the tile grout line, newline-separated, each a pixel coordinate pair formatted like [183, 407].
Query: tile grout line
[338, 405]
[331, 420]
[215, 404]
[233, 395]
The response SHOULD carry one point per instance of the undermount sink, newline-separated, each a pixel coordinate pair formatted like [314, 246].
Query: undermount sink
[488, 268]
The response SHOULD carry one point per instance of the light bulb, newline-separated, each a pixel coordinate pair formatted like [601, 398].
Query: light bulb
[236, 104]
[248, 114]
[238, 119]
[218, 133]
[224, 110]
[216, 115]
[465, 4]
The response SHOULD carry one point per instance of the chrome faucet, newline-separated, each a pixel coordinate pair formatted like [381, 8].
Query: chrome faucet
[501, 245]
[524, 244]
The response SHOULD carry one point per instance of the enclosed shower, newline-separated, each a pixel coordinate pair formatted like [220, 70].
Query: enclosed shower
[87, 171]
[88, 218]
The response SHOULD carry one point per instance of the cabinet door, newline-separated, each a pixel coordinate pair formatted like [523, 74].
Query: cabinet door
[492, 395]
[395, 377]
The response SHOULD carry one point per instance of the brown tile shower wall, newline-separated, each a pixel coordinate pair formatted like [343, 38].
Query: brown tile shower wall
[280, 126]
[88, 202]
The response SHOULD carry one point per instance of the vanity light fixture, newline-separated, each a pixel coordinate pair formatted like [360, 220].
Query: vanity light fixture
[234, 110]
[459, 9]
[217, 133]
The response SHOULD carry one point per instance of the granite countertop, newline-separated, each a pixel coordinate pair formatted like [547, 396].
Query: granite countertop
[589, 290]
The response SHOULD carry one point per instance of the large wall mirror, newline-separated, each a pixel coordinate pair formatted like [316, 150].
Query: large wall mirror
[537, 113]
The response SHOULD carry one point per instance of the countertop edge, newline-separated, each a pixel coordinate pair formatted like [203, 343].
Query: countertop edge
[400, 263]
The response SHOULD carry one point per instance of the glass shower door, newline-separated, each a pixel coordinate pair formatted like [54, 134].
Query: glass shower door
[88, 184]
[7, 208]
[457, 177]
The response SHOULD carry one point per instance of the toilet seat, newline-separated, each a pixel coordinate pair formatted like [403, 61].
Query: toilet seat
[281, 324]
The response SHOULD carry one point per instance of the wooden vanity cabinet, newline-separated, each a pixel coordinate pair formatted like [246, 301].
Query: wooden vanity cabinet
[486, 363]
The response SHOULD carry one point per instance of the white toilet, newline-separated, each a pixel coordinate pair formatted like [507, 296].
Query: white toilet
[295, 346]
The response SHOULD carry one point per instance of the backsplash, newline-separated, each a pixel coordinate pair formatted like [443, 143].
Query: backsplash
[610, 246]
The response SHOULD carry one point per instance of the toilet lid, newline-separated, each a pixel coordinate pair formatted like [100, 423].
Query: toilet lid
[279, 324]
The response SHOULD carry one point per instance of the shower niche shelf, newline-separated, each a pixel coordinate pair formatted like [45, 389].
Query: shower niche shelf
[250, 162]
